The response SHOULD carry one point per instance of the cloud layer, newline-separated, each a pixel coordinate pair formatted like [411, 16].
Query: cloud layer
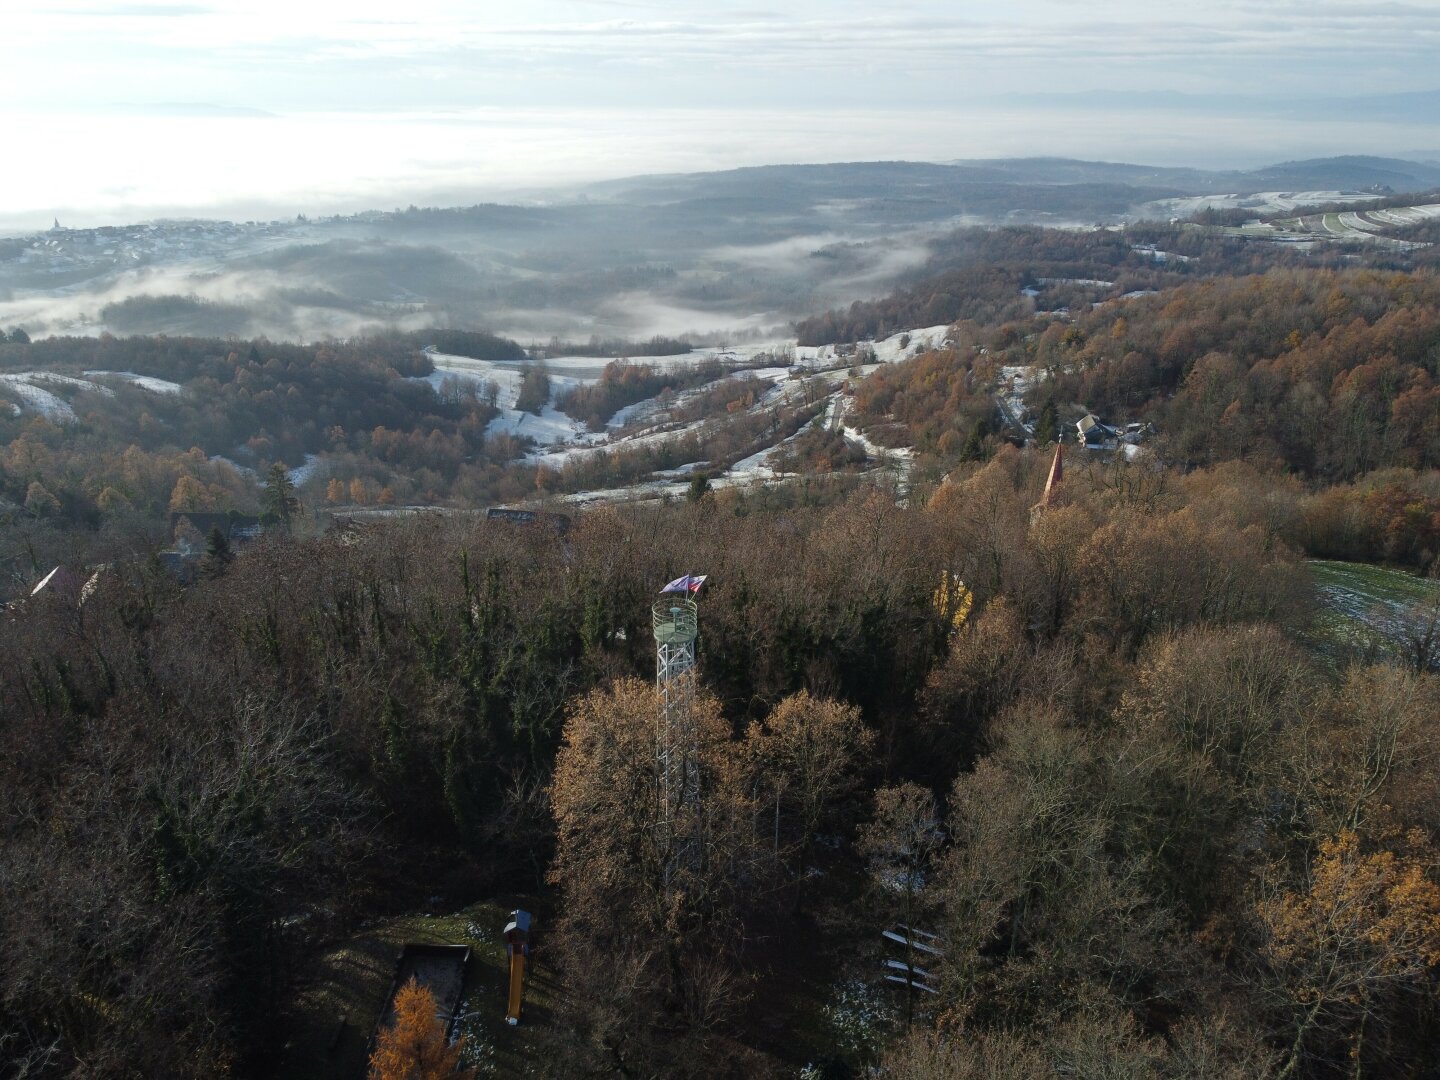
[430, 53]
[114, 102]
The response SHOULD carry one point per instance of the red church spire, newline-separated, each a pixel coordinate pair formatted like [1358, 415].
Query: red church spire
[1052, 482]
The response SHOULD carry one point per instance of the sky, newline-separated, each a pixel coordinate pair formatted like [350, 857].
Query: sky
[119, 111]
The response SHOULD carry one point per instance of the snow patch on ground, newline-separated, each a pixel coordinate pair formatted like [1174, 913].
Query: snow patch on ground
[560, 439]
[67, 380]
[26, 386]
[690, 468]
[632, 414]
[1372, 596]
[653, 489]
[887, 351]
[1352, 220]
[303, 472]
[549, 427]
[1157, 255]
[757, 466]
[243, 470]
[1015, 382]
[36, 398]
[1262, 202]
[145, 382]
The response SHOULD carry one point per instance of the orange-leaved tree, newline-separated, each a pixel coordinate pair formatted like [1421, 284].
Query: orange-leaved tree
[1364, 934]
[414, 1046]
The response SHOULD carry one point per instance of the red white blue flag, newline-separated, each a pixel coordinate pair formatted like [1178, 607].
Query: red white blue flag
[687, 584]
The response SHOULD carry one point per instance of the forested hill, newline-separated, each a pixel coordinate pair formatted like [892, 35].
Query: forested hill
[1099, 762]
[977, 274]
[1333, 374]
[1329, 373]
[218, 411]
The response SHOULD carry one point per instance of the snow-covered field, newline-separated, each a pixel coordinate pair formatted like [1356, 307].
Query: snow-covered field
[1369, 225]
[1157, 255]
[1352, 220]
[559, 433]
[307, 469]
[900, 346]
[559, 439]
[44, 399]
[1406, 215]
[145, 382]
[1261, 202]
[36, 398]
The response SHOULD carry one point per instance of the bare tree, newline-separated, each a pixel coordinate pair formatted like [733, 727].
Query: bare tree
[808, 756]
[899, 847]
[1417, 632]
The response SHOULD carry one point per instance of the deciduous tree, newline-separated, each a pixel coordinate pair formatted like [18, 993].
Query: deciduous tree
[659, 898]
[808, 754]
[1348, 945]
[899, 846]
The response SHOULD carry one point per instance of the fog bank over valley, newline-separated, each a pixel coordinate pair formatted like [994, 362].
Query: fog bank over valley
[738, 252]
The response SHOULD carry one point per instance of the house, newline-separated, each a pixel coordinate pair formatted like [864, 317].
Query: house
[234, 527]
[1095, 434]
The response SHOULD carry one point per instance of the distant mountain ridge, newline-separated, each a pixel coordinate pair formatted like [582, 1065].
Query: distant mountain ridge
[1344, 171]
[987, 184]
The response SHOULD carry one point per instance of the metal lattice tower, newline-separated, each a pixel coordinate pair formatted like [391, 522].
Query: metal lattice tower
[676, 621]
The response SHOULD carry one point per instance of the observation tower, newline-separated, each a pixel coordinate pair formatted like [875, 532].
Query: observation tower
[675, 618]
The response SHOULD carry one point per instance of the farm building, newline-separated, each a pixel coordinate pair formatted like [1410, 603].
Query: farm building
[1094, 434]
[234, 527]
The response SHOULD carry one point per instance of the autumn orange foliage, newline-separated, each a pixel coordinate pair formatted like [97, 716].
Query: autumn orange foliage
[1380, 905]
[1368, 925]
[414, 1046]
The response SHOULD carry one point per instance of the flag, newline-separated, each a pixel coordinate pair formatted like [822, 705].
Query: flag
[686, 584]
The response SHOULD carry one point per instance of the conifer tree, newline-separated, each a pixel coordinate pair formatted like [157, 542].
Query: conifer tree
[218, 554]
[414, 1046]
[280, 497]
[1047, 426]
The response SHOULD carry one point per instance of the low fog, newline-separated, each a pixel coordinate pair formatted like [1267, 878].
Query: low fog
[731, 254]
[724, 254]
[343, 288]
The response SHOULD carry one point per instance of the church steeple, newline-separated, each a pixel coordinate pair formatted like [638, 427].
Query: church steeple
[1057, 473]
[1052, 484]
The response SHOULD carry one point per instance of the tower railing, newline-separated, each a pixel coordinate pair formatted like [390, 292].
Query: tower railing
[676, 619]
